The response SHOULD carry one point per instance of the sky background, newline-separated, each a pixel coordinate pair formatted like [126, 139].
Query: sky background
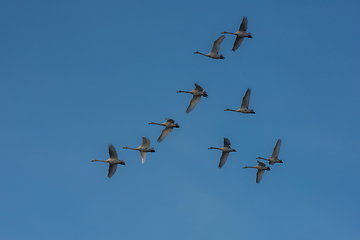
[77, 75]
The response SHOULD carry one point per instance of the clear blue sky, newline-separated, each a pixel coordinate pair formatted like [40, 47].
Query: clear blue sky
[77, 75]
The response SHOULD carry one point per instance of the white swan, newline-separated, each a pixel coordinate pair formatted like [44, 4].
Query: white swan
[245, 104]
[261, 167]
[113, 161]
[240, 34]
[274, 156]
[198, 93]
[214, 54]
[225, 149]
[169, 124]
[143, 148]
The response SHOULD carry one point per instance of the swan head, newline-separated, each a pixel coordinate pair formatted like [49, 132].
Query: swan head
[176, 125]
[233, 150]
[196, 52]
[268, 169]
[122, 162]
[280, 161]
[227, 109]
[221, 56]
[249, 35]
[205, 94]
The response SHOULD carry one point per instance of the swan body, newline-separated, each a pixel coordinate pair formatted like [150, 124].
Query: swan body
[169, 124]
[244, 105]
[226, 149]
[274, 156]
[261, 167]
[197, 93]
[240, 34]
[113, 161]
[143, 148]
[214, 54]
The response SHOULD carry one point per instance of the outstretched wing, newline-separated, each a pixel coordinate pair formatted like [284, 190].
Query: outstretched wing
[259, 175]
[261, 164]
[143, 157]
[198, 87]
[227, 142]
[112, 169]
[223, 158]
[164, 133]
[170, 120]
[193, 103]
[145, 142]
[246, 99]
[237, 43]
[243, 25]
[216, 46]
[276, 150]
[112, 151]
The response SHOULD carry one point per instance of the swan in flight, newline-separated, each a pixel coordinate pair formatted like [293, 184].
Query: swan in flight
[113, 160]
[240, 34]
[245, 104]
[143, 148]
[225, 149]
[214, 54]
[274, 157]
[261, 167]
[198, 93]
[169, 125]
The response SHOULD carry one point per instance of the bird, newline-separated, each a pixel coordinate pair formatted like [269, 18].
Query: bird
[143, 148]
[198, 93]
[274, 157]
[261, 167]
[240, 34]
[245, 104]
[214, 54]
[169, 124]
[113, 161]
[225, 149]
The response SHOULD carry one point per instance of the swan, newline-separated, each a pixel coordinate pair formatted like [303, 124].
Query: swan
[198, 93]
[261, 167]
[169, 124]
[240, 34]
[274, 157]
[225, 149]
[113, 160]
[214, 54]
[143, 148]
[245, 104]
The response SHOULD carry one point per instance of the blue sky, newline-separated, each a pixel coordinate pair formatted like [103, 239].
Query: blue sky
[77, 75]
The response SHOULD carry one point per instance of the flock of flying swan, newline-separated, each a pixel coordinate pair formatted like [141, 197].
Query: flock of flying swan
[197, 93]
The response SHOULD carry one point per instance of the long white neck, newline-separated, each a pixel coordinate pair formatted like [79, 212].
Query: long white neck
[130, 148]
[96, 160]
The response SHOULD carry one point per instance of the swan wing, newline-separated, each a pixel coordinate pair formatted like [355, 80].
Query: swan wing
[193, 103]
[223, 158]
[246, 99]
[143, 156]
[145, 142]
[243, 25]
[198, 87]
[259, 175]
[237, 43]
[227, 142]
[261, 164]
[164, 133]
[112, 169]
[112, 151]
[216, 46]
[276, 150]
[170, 120]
